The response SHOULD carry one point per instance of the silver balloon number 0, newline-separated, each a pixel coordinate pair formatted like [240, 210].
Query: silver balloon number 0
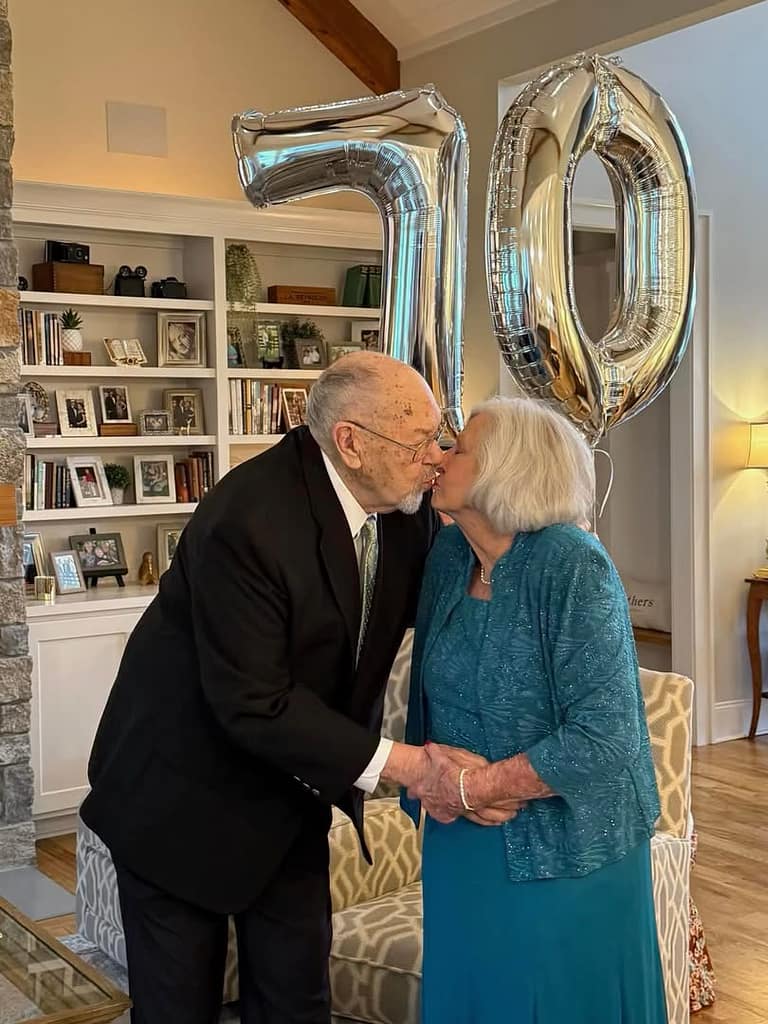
[584, 104]
[406, 151]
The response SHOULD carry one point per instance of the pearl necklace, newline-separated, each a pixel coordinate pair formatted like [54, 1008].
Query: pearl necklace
[482, 576]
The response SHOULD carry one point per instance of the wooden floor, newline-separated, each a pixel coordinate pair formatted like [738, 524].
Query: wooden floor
[730, 880]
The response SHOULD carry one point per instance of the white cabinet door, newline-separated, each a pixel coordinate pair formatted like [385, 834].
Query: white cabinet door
[74, 663]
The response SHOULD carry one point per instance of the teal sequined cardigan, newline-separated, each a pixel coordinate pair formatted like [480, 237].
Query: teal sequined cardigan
[558, 680]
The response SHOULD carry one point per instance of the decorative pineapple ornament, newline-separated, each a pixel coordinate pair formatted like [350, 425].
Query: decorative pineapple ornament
[71, 338]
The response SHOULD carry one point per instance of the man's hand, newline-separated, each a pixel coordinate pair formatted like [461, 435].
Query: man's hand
[495, 814]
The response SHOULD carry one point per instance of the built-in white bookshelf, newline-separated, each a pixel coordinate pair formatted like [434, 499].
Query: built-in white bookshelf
[186, 239]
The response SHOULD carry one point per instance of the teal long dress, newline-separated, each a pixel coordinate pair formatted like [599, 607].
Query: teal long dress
[580, 949]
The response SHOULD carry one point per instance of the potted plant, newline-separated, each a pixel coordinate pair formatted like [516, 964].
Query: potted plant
[118, 479]
[71, 338]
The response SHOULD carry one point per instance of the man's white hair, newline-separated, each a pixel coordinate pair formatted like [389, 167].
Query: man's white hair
[534, 467]
[340, 393]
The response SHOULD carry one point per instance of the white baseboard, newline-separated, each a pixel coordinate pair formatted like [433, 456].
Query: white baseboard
[55, 825]
[731, 719]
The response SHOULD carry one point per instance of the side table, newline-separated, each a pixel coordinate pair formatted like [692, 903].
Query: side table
[758, 592]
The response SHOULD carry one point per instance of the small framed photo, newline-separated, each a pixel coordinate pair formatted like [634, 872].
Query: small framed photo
[89, 481]
[337, 351]
[155, 422]
[310, 354]
[235, 349]
[167, 539]
[154, 479]
[366, 334]
[77, 417]
[180, 339]
[115, 404]
[125, 351]
[26, 415]
[68, 573]
[294, 406]
[186, 410]
[32, 557]
[100, 554]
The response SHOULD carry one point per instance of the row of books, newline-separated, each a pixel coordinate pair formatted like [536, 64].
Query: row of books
[46, 485]
[362, 286]
[255, 407]
[40, 334]
[194, 476]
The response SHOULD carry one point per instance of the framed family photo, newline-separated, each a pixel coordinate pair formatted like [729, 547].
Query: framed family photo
[68, 573]
[100, 554]
[180, 339]
[366, 334]
[155, 422]
[77, 416]
[167, 539]
[310, 354]
[115, 404]
[337, 351]
[294, 406]
[89, 481]
[154, 479]
[186, 410]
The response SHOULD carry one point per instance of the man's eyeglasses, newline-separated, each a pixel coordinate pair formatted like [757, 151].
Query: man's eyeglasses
[419, 450]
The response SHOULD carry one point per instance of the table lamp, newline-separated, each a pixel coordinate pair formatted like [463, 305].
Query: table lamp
[757, 458]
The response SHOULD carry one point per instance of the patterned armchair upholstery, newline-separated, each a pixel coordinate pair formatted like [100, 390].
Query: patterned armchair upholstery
[376, 952]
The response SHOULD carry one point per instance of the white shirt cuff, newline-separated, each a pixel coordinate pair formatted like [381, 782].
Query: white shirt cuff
[369, 780]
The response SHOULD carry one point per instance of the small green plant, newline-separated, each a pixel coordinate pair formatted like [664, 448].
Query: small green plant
[117, 475]
[71, 321]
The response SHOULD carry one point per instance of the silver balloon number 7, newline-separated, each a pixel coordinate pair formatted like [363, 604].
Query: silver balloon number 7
[406, 151]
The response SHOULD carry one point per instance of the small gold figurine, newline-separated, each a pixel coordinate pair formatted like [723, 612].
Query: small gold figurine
[147, 569]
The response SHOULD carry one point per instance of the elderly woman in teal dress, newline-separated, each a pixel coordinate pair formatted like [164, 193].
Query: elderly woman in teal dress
[538, 903]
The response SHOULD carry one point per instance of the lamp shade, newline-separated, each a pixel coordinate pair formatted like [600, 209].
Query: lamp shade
[758, 446]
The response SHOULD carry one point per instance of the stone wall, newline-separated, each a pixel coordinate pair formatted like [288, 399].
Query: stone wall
[17, 834]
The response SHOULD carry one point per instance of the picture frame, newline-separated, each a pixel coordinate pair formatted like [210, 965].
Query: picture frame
[125, 351]
[235, 350]
[154, 478]
[294, 401]
[310, 354]
[155, 422]
[343, 349]
[180, 339]
[89, 481]
[115, 404]
[366, 334]
[32, 557]
[68, 572]
[76, 414]
[185, 406]
[40, 403]
[167, 540]
[26, 415]
[99, 554]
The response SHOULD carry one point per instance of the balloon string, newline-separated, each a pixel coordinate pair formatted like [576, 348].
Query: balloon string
[609, 486]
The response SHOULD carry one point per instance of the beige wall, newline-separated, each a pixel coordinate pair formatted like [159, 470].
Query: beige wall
[203, 60]
[468, 74]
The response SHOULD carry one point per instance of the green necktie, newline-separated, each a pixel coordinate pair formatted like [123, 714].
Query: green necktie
[369, 557]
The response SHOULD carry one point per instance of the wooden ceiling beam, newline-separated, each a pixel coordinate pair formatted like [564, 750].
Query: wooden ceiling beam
[350, 37]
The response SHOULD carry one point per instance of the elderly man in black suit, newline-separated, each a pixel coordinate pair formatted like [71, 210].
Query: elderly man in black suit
[249, 700]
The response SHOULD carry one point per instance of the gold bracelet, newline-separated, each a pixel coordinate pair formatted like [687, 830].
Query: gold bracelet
[462, 791]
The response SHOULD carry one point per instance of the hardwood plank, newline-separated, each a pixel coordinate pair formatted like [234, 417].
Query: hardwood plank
[56, 858]
[352, 38]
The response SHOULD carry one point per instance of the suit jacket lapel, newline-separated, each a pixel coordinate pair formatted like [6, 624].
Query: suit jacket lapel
[336, 546]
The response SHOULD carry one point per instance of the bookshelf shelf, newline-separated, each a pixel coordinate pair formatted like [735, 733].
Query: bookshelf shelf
[275, 375]
[125, 373]
[94, 443]
[109, 512]
[280, 310]
[30, 298]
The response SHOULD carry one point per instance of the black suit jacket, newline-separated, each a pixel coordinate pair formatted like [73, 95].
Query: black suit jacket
[238, 716]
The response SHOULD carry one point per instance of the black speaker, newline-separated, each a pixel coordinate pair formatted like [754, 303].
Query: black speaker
[67, 252]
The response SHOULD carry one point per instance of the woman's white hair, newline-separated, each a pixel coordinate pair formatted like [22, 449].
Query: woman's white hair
[534, 467]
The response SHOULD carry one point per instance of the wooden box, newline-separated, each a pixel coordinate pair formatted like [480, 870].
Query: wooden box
[83, 278]
[118, 429]
[77, 358]
[301, 296]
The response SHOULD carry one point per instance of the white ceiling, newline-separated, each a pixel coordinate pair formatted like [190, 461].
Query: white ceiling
[414, 26]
